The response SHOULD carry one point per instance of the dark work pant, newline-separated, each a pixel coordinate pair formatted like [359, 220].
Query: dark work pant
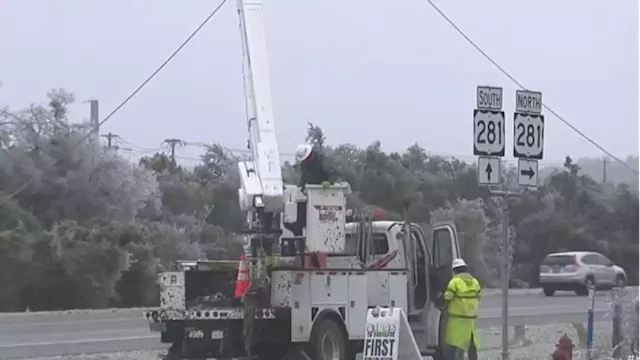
[456, 353]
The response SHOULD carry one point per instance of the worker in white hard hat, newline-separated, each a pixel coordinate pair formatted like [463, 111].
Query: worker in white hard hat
[312, 167]
[463, 298]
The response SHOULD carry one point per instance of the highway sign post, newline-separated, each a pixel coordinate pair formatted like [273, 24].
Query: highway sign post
[528, 147]
[505, 194]
[488, 144]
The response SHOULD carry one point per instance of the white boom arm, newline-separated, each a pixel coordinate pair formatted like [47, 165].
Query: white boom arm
[261, 177]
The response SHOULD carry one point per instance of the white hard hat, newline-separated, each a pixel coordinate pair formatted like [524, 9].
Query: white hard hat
[303, 151]
[458, 263]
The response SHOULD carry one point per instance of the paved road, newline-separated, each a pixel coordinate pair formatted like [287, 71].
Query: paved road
[38, 334]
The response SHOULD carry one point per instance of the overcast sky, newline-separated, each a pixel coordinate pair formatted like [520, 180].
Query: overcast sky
[363, 70]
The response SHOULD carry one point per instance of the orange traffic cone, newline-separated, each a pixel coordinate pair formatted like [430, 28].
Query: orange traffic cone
[242, 281]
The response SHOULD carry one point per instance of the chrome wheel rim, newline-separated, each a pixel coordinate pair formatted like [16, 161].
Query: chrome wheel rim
[329, 347]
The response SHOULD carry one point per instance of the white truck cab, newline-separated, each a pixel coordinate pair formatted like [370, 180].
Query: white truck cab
[428, 261]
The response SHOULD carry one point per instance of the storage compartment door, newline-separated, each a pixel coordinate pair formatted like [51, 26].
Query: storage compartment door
[358, 304]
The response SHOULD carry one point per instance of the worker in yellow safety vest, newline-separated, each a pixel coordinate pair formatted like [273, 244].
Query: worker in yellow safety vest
[463, 298]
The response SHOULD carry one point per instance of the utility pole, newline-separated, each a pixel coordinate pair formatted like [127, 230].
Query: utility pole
[94, 119]
[172, 143]
[604, 170]
[110, 136]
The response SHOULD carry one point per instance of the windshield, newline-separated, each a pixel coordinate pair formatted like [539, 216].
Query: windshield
[380, 244]
[561, 260]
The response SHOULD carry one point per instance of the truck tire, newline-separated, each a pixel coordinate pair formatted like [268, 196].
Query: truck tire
[174, 352]
[328, 341]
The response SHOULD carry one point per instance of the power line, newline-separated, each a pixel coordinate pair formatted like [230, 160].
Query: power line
[162, 66]
[138, 148]
[513, 79]
[468, 159]
[142, 85]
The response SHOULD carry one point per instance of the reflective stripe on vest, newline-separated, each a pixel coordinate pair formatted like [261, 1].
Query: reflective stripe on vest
[465, 301]
[463, 316]
[470, 295]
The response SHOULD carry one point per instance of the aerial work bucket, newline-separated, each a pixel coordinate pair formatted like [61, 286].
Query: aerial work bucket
[242, 281]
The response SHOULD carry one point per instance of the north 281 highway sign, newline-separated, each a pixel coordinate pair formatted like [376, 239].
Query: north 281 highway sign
[488, 132]
[528, 136]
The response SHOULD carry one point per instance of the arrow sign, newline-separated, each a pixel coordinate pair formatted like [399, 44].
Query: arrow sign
[488, 170]
[527, 172]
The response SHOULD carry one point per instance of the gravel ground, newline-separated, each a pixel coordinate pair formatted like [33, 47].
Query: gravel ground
[538, 342]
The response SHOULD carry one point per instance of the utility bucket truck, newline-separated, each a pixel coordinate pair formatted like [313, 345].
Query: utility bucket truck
[314, 269]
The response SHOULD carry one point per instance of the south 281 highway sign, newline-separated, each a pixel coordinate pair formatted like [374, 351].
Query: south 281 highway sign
[488, 132]
[528, 136]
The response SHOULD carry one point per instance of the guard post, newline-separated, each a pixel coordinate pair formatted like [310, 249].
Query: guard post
[590, 305]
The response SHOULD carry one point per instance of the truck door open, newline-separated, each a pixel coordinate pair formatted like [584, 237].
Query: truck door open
[421, 261]
[445, 248]
[417, 256]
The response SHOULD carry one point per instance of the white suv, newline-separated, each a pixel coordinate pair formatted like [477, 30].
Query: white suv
[577, 271]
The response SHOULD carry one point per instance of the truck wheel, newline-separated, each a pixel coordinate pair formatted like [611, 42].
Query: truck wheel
[174, 352]
[328, 341]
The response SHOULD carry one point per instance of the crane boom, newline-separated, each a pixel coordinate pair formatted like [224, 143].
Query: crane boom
[261, 176]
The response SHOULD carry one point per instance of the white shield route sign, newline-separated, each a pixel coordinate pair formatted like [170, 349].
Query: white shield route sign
[528, 136]
[488, 170]
[528, 172]
[488, 132]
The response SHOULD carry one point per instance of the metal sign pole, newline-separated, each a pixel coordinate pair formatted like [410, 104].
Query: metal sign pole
[505, 194]
[505, 278]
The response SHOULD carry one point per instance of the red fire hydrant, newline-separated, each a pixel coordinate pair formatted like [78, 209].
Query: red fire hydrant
[564, 349]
